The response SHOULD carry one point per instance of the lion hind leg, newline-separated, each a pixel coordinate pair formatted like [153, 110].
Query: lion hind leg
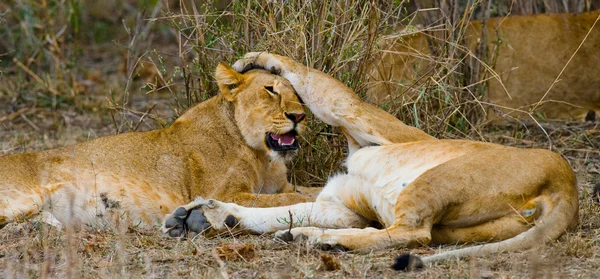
[494, 230]
[18, 203]
[512, 223]
[363, 239]
[553, 221]
[59, 200]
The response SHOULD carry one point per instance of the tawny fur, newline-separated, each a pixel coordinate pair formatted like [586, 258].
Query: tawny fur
[422, 190]
[216, 149]
[523, 71]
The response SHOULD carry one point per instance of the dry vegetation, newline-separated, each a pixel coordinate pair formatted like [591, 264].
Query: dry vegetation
[72, 71]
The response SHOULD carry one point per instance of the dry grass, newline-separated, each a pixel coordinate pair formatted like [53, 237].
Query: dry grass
[32, 250]
[82, 74]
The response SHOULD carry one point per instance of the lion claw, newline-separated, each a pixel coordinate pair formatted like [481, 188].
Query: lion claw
[247, 63]
[211, 204]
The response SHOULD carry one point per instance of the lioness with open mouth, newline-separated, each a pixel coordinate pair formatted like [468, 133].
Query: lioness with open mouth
[420, 189]
[232, 147]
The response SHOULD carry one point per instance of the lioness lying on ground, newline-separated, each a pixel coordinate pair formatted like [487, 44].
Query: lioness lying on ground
[422, 190]
[232, 147]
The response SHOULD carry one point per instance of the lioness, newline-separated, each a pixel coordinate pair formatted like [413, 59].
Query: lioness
[422, 190]
[232, 147]
[522, 70]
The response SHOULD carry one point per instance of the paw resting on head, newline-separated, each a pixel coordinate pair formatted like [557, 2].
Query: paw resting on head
[258, 60]
[198, 217]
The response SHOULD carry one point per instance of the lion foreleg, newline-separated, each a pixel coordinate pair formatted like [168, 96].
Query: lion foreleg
[334, 103]
[220, 216]
[323, 94]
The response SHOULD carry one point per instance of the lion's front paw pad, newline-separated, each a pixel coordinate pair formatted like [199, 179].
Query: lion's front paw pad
[201, 216]
[231, 221]
[183, 222]
[174, 226]
[180, 212]
[196, 221]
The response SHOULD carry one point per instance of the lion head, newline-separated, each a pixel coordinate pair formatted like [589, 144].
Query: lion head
[268, 112]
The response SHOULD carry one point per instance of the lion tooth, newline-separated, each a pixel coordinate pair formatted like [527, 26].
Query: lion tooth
[284, 143]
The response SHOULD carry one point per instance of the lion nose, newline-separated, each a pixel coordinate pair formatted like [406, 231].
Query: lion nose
[295, 117]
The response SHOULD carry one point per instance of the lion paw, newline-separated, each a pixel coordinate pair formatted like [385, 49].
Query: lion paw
[183, 222]
[198, 217]
[258, 60]
[295, 234]
[317, 237]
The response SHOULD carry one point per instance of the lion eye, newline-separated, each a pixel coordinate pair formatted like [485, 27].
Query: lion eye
[270, 89]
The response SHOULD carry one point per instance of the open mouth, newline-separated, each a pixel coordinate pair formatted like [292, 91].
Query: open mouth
[284, 142]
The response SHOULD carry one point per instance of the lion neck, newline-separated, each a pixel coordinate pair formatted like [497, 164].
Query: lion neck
[213, 117]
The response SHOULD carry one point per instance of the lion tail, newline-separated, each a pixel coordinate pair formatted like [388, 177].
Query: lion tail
[553, 223]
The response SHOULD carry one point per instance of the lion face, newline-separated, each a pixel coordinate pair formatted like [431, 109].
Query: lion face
[268, 112]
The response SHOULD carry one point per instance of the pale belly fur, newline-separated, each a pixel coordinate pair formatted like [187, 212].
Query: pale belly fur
[96, 200]
[376, 175]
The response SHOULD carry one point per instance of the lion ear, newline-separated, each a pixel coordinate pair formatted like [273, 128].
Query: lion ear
[227, 79]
